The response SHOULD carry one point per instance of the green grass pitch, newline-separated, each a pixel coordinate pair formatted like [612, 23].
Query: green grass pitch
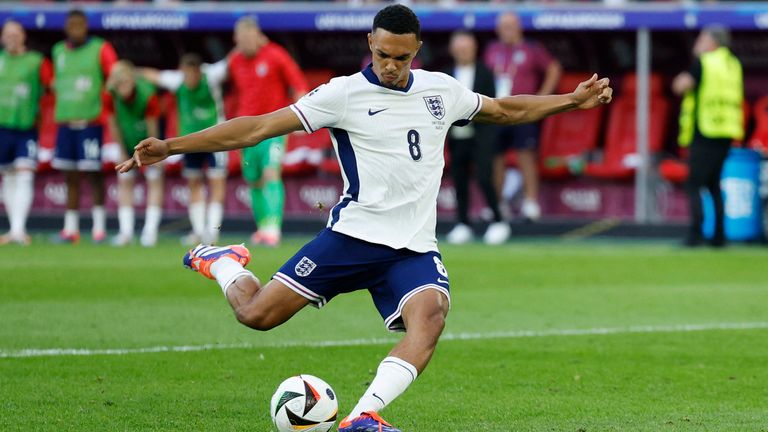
[542, 336]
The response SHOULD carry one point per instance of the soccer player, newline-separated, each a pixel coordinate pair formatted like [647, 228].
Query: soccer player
[197, 88]
[265, 79]
[388, 125]
[23, 77]
[134, 114]
[81, 65]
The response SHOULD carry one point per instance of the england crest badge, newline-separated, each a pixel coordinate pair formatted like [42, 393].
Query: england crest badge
[304, 267]
[435, 106]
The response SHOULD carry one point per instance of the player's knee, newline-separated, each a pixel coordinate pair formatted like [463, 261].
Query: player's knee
[432, 322]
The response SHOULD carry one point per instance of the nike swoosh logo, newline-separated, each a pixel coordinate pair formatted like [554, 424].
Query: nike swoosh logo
[441, 280]
[372, 112]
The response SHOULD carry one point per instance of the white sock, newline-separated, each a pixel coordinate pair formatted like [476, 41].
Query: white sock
[226, 271]
[9, 192]
[71, 221]
[152, 218]
[22, 201]
[215, 216]
[126, 220]
[392, 378]
[99, 219]
[197, 218]
[513, 181]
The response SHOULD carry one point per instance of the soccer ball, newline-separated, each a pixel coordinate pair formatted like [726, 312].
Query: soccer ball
[304, 403]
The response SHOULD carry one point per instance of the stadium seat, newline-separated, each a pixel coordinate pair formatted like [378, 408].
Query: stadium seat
[620, 153]
[569, 135]
[673, 170]
[759, 139]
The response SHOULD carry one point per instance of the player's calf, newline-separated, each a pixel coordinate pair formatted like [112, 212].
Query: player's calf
[240, 286]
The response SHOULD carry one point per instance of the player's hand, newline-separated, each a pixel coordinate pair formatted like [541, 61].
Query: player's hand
[592, 92]
[147, 152]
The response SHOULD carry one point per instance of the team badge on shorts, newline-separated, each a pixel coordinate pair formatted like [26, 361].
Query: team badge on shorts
[435, 106]
[304, 267]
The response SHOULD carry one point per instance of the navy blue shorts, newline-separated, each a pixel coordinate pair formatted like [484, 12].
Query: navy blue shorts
[519, 137]
[18, 148]
[78, 149]
[334, 263]
[216, 164]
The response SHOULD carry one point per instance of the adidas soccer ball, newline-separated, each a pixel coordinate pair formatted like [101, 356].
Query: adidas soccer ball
[304, 403]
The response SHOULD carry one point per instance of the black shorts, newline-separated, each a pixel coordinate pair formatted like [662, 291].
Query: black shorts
[519, 137]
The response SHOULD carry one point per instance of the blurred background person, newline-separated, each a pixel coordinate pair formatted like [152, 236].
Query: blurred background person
[476, 143]
[24, 75]
[81, 66]
[711, 118]
[520, 67]
[199, 105]
[134, 114]
[265, 78]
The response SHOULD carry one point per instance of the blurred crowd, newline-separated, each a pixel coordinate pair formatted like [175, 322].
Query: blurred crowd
[97, 95]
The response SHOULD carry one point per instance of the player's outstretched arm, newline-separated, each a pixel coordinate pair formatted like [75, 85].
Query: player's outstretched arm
[233, 134]
[528, 108]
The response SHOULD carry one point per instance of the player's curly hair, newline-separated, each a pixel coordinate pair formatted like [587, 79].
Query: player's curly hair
[397, 19]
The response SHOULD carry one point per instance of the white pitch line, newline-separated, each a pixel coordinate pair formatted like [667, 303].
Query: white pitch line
[513, 334]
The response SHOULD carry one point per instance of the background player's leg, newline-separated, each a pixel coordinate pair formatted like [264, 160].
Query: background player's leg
[22, 178]
[65, 160]
[154, 212]
[252, 175]
[125, 214]
[424, 317]
[22, 202]
[9, 194]
[261, 168]
[99, 214]
[274, 201]
[217, 187]
[89, 144]
[196, 208]
[72, 214]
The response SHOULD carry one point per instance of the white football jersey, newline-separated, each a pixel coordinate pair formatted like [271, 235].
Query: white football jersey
[389, 143]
